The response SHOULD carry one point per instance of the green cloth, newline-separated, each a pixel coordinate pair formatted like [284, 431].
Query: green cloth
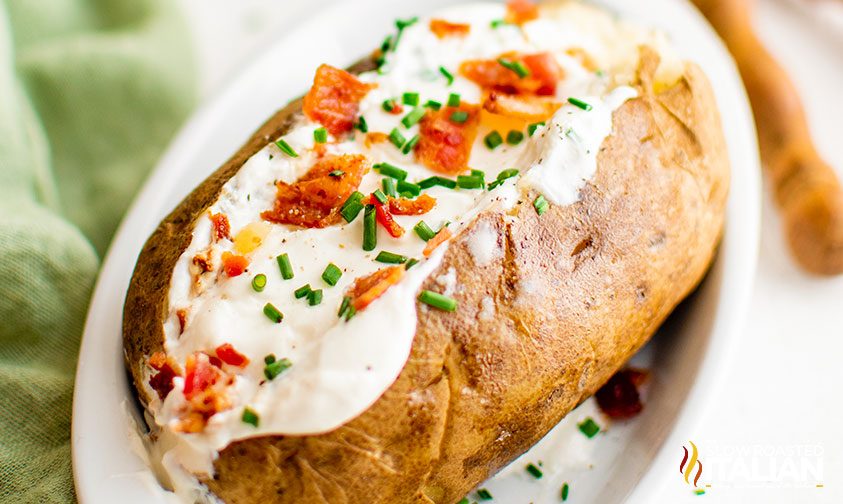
[91, 92]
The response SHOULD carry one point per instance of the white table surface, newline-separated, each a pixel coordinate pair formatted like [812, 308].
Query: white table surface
[774, 430]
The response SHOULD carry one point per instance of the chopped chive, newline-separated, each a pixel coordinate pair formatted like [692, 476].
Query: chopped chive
[493, 139]
[397, 138]
[380, 196]
[370, 230]
[424, 231]
[361, 125]
[448, 75]
[531, 129]
[390, 258]
[271, 371]
[408, 187]
[389, 170]
[502, 176]
[272, 313]
[454, 100]
[269, 359]
[259, 282]
[564, 492]
[250, 417]
[302, 291]
[389, 105]
[541, 205]
[389, 188]
[346, 301]
[464, 500]
[410, 99]
[470, 182]
[409, 146]
[437, 181]
[285, 148]
[514, 137]
[515, 66]
[413, 117]
[336, 173]
[352, 206]
[497, 23]
[412, 262]
[314, 297]
[332, 274]
[437, 300]
[484, 494]
[589, 427]
[459, 116]
[320, 135]
[432, 104]
[579, 103]
[350, 312]
[699, 491]
[534, 471]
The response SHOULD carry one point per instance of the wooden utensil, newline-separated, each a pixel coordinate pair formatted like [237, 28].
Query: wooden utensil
[807, 189]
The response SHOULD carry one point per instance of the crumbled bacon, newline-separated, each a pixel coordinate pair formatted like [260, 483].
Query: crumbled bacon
[222, 228]
[395, 108]
[203, 262]
[367, 289]
[314, 200]
[230, 356]
[334, 99]
[521, 11]
[162, 381]
[442, 28]
[385, 218]
[619, 397]
[544, 74]
[205, 391]
[418, 206]
[375, 137]
[233, 264]
[524, 107]
[445, 145]
[440, 238]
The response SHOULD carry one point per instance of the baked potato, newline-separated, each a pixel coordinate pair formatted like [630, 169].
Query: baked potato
[298, 332]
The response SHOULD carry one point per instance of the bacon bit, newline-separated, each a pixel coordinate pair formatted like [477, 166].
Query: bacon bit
[418, 206]
[545, 73]
[441, 237]
[191, 423]
[442, 28]
[444, 146]
[585, 59]
[200, 375]
[396, 108]
[203, 262]
[385, 218]
[234, 265]
[222, 229]
[320, 150]
[162, 381]
[204, 389]
[182, 316]
[367, 289]
[521, 11]
[334, 99]
[619, 397]
[315, 199]
[230, 356]
[526, 108]
[375, 137]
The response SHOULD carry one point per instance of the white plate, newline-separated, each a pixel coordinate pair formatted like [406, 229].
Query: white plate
[687, 356]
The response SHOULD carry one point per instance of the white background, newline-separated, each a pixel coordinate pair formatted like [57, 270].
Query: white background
[785, 387]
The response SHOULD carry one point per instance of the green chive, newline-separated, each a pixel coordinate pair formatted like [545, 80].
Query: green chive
[388, 184]
[413, 117]
[346, 301]
[272, 313]
[370, 230]
[534, 471]
[412, 262]
[397, 138]
[454, 100]
[580, 104]
[285, 148]
[448, 75]
[320, 135]
[431, 104]
[390, 258]
[361, 125]
[564, 493]
[459, 116]
[250, 417]
[515, 66]
[497, 23]
[470, 182]
[484, 494]
[408, 187]
[699, 491]
[464, 500]
[424, 231]
[589, 427]
[259, 282]
[531, 129]
[271, 371]
[332, 274]
[437, 300]
[493, 139]
[541, 205]
[302, 291]
[411, 99]
[514, 137]
[388, 105]
[389, 170]
[336, 173]
[409, 146]
[380, 196]
[314, 297]
[437, 181]
[350, 312]
[502, 176]
[269, 359]
[352, 206]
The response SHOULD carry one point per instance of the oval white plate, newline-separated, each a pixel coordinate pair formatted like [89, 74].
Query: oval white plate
[686, 357]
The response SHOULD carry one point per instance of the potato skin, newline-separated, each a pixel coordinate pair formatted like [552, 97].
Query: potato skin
[577, 291]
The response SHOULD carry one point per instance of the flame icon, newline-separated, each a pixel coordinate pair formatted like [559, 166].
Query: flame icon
[687, 466]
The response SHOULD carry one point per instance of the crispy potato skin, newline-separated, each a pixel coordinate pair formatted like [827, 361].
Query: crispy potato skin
[577, 291]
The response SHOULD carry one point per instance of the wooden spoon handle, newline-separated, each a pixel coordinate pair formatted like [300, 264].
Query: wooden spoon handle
[807, 189]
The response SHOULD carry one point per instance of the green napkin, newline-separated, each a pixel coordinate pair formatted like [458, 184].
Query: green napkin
[91, 91]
